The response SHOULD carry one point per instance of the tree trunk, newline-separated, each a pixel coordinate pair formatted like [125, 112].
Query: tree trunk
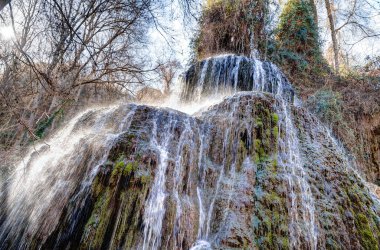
[333, 35]
[315, 12]
[3, 3]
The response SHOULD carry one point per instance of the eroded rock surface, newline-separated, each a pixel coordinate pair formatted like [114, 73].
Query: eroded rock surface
[252, 172]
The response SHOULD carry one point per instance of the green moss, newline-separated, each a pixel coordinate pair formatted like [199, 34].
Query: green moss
[256, 158]
[91, 222]
[267, 133]
[260, 155]
[270, 238]
[257, 143]
[131, 205]
[117, 170]
[119, 165]
[275, 118]
[273, 198]
[242, 154]
[271, 221]
[367, 238]
[285, 243]
[274, 163]
[267, 222]
[144, 179]
[259, 122]
[275, 132]
[120, 198]
[276, 217]
[96, 226]
[129, 168]
[96, 186]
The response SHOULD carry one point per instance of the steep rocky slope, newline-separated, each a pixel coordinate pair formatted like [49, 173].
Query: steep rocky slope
[254, 171]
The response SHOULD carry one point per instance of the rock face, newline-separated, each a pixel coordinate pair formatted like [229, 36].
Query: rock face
[252, 172]
[367, 151]
[231, 73]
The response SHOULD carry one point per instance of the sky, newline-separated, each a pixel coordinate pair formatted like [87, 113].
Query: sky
[367, 47]
[6, 33]
[181, 50]
[173, 39]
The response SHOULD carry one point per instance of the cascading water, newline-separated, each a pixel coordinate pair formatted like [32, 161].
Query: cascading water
[229, 73]
[251, 171]
[290, 158]
[155, 209]
[42, 183]
[269, 80]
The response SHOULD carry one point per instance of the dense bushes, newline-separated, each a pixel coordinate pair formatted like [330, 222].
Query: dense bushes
[327, 104]
[231, 26]
[298, 47]
[245, 27]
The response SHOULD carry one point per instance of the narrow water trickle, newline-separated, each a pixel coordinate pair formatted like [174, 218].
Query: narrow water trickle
[155, 207]
[302, 215]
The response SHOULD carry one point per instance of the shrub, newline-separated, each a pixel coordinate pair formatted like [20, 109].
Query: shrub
[231, 26]
[327, 105]
[297, 40]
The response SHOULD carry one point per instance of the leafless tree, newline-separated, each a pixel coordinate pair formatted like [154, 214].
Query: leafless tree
[3, 3]
[167, 72]
[333, 34]
[61, 47]
[352, 22]
[64, 46]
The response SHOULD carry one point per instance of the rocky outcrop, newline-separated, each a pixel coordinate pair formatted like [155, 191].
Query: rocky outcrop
[225, 181]
[251, 172]
[226, 74]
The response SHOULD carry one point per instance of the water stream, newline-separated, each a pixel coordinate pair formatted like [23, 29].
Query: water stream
[204, 190]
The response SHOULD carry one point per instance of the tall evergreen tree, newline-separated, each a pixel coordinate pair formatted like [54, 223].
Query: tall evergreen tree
[297, 38]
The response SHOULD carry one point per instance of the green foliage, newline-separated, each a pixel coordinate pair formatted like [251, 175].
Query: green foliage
[275, 132]
[259, 122]
[46, 123]
[275, 118]
[228, 25]
[367, 238]
[327, 105]
[297, 39]
[297, 31]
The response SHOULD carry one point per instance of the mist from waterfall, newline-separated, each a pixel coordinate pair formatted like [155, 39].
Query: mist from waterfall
[205, 143]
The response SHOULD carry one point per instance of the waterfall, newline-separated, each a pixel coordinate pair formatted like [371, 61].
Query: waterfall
[265, 77]
[296, 176]
[249, 170]
[51, 171]
[155, 209]
[229, 73]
